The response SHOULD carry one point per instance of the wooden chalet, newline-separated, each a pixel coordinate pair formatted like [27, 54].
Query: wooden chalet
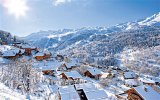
[147, 81]
[16, 44]
[48, 68]
[68, 93]
[143, 92]
[39, 56]
[12, 54]
[72, 75]
[69, 65]
[42, 55]
[122, 96]
[88, 91]
[132, 82]
[129, 75]
[93, 73]
[28, 49]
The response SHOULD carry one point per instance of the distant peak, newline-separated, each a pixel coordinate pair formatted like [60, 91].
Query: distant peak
[151, 20]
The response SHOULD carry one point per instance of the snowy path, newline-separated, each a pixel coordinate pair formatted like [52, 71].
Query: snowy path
[8, 94]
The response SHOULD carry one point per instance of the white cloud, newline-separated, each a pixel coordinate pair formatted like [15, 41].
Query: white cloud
[59, 2]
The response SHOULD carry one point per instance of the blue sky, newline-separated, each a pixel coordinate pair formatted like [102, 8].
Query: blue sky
[59, 14]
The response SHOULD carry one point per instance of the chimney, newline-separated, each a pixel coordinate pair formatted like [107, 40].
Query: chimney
[145, 89]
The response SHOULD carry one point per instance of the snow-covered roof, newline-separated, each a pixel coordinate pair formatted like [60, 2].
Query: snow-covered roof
[68, 93]
[94, 71]
[86, 86]
[5, 48]
[131, 82]
[53, 88]
[48, 65]
[129, 75]
[91, 91]
[104, 75]
[22, 51]
[146, 80]
[46, 52]
[11, 52]
[149, 93]
[123, 68]
[39, 54]
[114, 72]
[50, 77]
[70, 64]
[73, 62]
[24, 46]
[73, 74]
[96, 95]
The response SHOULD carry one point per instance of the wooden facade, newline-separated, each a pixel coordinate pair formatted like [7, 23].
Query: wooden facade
[87, 73]
[12, 57]
[48, 72]
[69, 68]
[39, 57]
[134, 95]
[64, 76]
[45, 56]
[28, 51]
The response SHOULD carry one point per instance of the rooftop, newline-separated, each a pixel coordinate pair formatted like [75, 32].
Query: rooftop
[68, 93]
[147, 92]
[94, 71]
[73, 74]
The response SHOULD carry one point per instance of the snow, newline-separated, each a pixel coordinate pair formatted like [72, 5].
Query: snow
[96, 95]
[73, 74]
[151, 20]
[70, 64]
[150, 94]
[24, 46]
[94, 71]
[9, 50]
[39, 54]
[131, 82]
[10, 53]
[86, 86]
[129, 75]
[48, 65]
[68, 93]
[146, 80]
[59, 35]
[5, 48]
[104, 75]
[3, 60]
[157, 53]
[91, 91]
[8, 94]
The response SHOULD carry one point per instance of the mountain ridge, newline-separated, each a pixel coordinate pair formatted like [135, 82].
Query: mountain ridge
[64, 38]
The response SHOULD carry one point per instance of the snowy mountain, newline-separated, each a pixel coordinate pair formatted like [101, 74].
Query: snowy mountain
[5, 37]
[153, 20]
[62, 39]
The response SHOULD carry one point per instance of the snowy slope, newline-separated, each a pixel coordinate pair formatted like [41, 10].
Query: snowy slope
[62, 39]
[8, 94]
[153, 20]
